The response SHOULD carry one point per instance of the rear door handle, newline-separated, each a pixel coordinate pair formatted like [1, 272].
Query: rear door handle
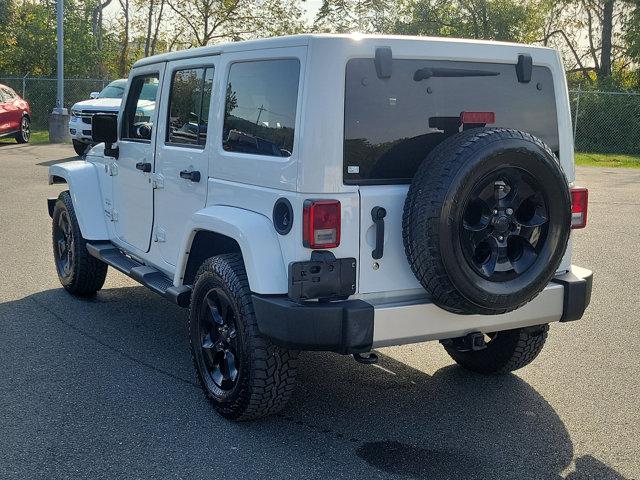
[145, 167]
[192, 175]
[377, 215]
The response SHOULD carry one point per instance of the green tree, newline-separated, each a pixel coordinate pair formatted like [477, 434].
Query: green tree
[344, 16]
[507, 20]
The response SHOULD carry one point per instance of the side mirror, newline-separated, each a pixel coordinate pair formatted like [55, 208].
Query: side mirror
[104, 129]
[93, 95]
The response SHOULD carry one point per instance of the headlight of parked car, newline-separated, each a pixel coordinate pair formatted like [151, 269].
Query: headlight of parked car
[75, 112]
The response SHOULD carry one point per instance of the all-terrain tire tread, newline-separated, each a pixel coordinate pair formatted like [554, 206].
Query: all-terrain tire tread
[89, 273]
[272, 371]
[435, 175]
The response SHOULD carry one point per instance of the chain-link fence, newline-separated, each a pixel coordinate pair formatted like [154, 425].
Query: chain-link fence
[606, 122]
[40, 92]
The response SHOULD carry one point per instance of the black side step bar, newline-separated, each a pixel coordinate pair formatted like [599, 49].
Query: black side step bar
[151, 278]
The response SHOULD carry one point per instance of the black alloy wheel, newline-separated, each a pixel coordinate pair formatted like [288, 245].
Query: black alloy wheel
[64, 245]
[24, 134]
[242, 373]
[504, 224]
[219, 342]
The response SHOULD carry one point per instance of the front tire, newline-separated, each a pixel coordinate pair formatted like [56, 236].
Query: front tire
[242, 373]
[79, 147]
[24, 134]
[506, 351]
[78, 272]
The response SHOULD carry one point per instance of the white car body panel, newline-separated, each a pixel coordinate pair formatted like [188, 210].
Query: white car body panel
[133, 191]
[84, 186]
[178, 198]
[265, 268]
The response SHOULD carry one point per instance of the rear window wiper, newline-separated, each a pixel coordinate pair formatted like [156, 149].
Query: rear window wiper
[428, 72]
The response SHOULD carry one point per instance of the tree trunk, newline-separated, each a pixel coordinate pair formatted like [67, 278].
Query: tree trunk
[156, 31]
[147, 40]
[96, 22]
[124, 53]
[607, 31]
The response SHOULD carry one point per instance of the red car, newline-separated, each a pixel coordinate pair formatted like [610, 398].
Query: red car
[15, 115]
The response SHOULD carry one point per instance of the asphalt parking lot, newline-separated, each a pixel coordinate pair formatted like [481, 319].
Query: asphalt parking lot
[104, 388]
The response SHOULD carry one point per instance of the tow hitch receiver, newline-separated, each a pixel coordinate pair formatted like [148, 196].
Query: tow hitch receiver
[473, 341]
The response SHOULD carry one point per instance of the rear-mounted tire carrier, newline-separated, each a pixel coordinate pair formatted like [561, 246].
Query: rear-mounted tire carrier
[150, 277]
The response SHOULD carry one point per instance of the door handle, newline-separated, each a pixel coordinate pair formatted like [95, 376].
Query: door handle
[377, 215]
[145, 167]
[192, 175]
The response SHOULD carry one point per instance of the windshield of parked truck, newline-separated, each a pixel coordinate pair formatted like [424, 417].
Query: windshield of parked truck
[114, 89]
[391, 124]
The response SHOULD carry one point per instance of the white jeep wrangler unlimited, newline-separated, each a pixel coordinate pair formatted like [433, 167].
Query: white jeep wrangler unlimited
[336, 193]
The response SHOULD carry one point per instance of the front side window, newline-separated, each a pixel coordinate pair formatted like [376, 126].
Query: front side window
[189, 106]
[260, 107]
[137, 120]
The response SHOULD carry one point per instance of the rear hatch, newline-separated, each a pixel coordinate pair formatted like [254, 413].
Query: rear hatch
[391, 125]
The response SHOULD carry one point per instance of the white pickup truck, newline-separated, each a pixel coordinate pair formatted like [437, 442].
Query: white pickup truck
[106, 101]
[335, 193]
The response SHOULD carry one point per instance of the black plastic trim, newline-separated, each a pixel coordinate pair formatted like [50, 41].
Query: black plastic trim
[344, 327]
[280, 208]
[323, 277]
[577, 295]
[150, 277]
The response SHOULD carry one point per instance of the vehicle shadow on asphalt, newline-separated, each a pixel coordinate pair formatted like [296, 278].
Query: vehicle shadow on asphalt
[61, 160]
[393, 418]
[449, 425]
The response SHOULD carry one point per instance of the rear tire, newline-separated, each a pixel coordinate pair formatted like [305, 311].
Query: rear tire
[242, 373]
[486, 220]
[24, 134]
[79, 147]
[78, 272]
[507, 351]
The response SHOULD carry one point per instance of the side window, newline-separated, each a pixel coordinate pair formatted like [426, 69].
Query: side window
[137, 120]
[189, 106]
[6, 95]
[260, 107]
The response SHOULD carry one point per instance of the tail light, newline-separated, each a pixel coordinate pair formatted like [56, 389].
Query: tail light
[321, 224]
[477, 117]
[579, 203]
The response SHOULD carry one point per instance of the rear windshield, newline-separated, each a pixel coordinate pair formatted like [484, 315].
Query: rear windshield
[391, 124]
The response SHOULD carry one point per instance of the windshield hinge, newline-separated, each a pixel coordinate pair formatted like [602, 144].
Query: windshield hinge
[111, 169]
[157, 180]
[160, 235]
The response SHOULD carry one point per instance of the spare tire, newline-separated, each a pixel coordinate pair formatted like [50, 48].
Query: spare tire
[486, 220]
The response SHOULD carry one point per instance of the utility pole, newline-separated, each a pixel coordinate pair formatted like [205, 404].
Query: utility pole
[260, 110]
[59, 118]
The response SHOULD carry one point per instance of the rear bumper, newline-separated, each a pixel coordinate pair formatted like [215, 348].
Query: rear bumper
[354, 326]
